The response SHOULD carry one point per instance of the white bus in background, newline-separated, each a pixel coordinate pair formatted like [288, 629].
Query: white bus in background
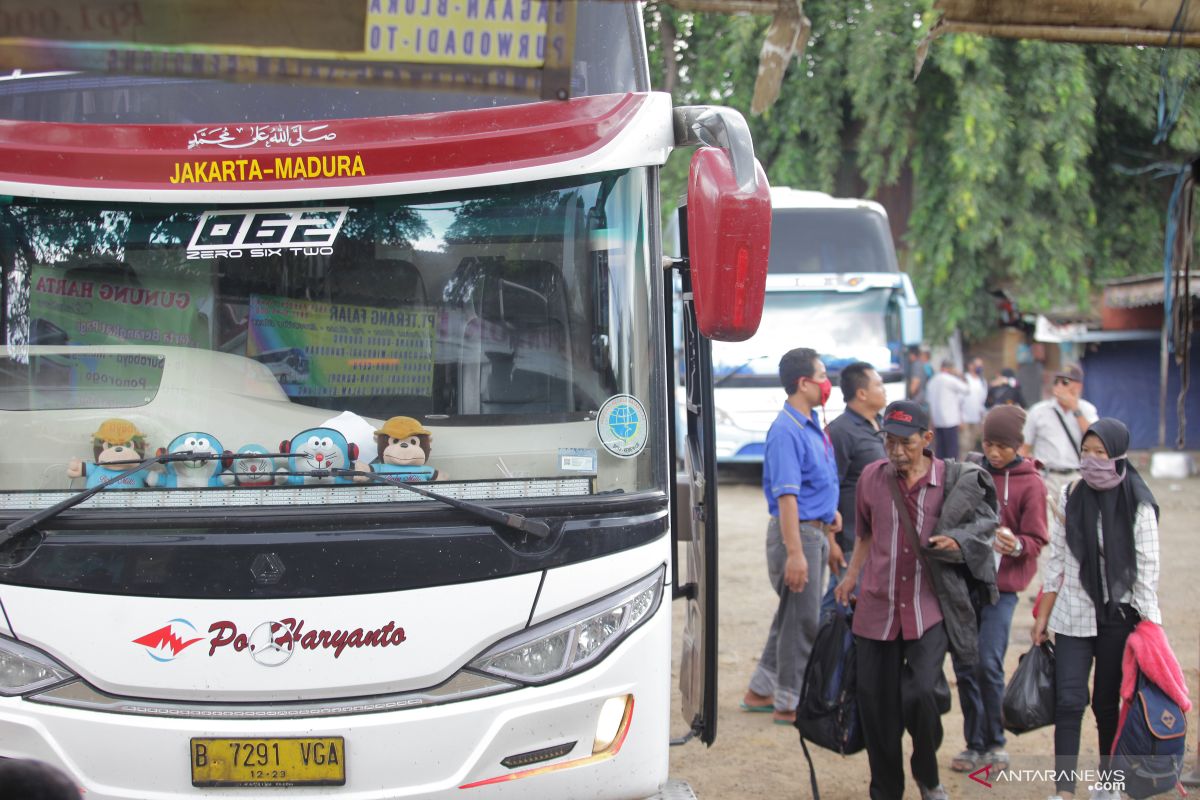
[833, 285]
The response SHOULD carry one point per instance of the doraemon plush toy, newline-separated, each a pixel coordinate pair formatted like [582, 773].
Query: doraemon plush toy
[403, 447]
[190, 474]
[316, 448]
[117, 447]
[250, 471]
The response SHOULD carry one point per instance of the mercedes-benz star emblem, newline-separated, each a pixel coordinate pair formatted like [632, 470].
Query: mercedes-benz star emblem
[265, 649]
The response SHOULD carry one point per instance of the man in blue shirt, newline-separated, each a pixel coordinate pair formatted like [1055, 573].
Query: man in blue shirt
[800, 481]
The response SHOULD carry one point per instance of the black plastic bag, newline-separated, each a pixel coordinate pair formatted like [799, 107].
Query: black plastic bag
[1029, 697]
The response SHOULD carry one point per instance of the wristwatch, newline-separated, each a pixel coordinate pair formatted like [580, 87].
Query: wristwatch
[1077, 413]
[1018, 548]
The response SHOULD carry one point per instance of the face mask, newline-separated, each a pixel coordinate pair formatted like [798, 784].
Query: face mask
[826, 390]
[1100, 473]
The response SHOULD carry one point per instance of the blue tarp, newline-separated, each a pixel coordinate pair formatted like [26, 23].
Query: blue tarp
[1121, 379]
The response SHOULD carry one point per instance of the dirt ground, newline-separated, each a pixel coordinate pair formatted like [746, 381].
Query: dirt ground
[752, 758]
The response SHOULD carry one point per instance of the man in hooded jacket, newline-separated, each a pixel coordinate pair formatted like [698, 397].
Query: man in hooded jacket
[1022, 534]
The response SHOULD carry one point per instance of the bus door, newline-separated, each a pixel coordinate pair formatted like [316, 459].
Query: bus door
[694, 511]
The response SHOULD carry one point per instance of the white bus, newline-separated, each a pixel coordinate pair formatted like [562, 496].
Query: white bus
[469, 257]
[834, 286]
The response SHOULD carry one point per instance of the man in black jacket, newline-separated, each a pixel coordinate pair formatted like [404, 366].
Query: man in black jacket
[857, 440]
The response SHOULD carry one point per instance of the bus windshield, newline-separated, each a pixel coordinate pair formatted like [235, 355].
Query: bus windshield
[830, 240]
[841, 327]
[483, 336]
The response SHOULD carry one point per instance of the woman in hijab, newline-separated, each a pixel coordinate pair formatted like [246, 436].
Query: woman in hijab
[1100, 579]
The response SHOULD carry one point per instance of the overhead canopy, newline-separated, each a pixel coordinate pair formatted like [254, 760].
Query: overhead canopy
[1146, 290]
[1129, 22]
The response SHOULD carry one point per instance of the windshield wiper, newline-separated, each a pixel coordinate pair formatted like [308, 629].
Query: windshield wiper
[516, 521]
[37, 517]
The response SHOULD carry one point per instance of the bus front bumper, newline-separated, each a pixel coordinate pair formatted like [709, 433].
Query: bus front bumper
[451, 750]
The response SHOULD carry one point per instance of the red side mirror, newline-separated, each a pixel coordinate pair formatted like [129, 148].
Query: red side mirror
[729, 239]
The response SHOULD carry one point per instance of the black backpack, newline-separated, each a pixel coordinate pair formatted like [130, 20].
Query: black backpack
[1149, 747]
[827, 714]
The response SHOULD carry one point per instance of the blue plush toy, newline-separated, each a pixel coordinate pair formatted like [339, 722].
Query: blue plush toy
[316, 448]
[250, 471]
[190, 474]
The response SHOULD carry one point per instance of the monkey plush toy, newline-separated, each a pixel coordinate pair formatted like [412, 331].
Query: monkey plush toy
[117, 447]
[403, 448]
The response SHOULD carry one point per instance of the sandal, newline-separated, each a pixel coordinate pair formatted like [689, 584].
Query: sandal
[747, 707]
[765, 703]
[966, 761]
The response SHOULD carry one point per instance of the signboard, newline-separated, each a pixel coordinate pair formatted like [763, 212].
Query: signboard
[76, 307]
[94, 307]
[339, 350]
[520, 45]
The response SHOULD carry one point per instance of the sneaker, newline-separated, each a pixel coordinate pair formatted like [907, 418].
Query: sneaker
[967, 761]
[936, 793]
[997, 757]
[1105, 794]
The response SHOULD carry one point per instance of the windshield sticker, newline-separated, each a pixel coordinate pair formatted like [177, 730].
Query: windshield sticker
[281, 168]
[238, 136]
[577, 459]
[621, 426]
[260, 233]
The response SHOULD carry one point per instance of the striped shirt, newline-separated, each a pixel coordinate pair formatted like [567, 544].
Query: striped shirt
[896, 597]
[1074, 614]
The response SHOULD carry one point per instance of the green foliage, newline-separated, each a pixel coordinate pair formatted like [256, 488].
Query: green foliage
[1022, 156]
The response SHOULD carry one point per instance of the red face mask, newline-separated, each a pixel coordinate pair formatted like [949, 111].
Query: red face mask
[826, 390]
[826, 387]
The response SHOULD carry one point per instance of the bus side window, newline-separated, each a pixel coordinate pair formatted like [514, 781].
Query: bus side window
[384, 283]
[511, 336]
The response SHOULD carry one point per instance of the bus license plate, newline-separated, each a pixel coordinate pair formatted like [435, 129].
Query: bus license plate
[269, 762]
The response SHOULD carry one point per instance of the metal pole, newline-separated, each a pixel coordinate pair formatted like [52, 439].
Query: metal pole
[1164, 358]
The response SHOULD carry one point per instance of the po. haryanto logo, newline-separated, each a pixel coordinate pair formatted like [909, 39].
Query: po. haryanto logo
[166, 643]
[271, 643]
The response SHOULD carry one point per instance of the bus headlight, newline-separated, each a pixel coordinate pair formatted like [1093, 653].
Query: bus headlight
[23, 669]
[571, 642]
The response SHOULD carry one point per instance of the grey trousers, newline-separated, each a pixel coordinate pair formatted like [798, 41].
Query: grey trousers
[1055, 482]
[780, 670]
